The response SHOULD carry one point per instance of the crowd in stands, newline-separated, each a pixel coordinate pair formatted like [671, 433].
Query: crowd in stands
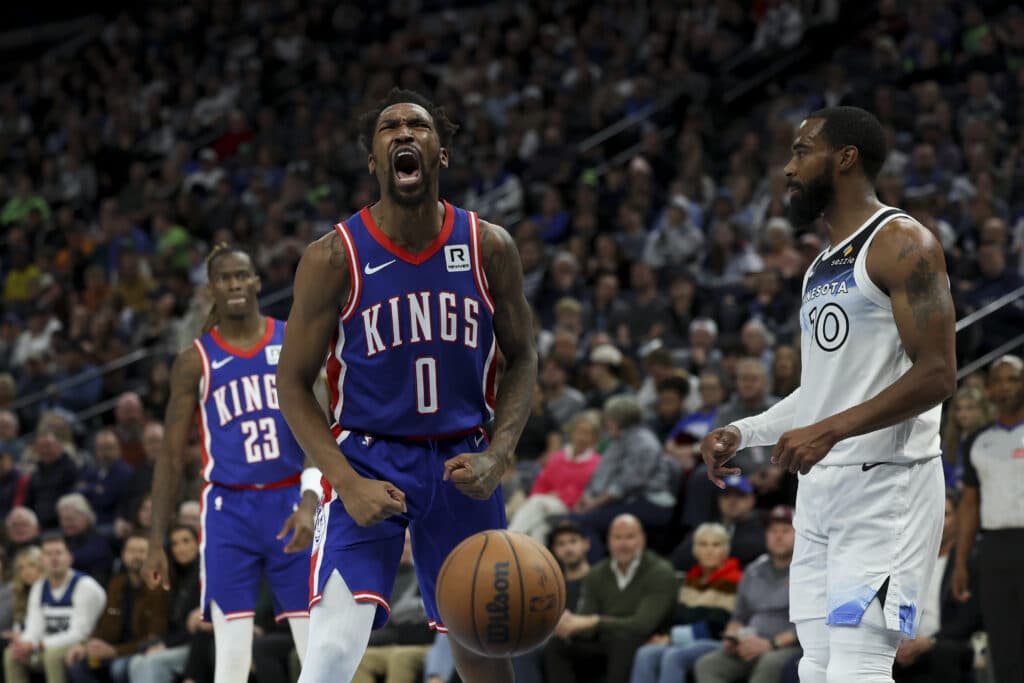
[663, 271]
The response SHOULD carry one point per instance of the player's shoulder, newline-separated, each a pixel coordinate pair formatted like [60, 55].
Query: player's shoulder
[903, 234]
[189, 362]
[327, 252]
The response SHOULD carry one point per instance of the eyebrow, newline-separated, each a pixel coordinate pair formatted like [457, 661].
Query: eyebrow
[394, 119]
[800, 145]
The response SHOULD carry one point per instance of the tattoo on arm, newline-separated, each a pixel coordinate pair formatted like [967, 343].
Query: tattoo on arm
[335, 250]
[513, 327]
[924, 292]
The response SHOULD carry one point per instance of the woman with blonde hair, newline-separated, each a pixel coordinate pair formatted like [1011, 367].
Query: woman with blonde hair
[706, 602]
[969, 411]
[28, 568]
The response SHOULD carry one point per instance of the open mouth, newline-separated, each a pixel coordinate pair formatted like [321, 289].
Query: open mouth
[236, 301]
[407, 167]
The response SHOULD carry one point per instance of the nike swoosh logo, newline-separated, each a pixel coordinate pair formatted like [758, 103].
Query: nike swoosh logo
[865, 467]
[218, 364]
[370, 270]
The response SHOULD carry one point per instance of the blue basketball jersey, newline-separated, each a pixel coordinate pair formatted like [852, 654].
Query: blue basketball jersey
[414, 351]
[245, 438]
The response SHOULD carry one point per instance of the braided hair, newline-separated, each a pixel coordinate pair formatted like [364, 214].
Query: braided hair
[220, 249]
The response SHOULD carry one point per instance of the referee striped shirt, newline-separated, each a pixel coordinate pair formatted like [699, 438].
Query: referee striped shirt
[995, 466]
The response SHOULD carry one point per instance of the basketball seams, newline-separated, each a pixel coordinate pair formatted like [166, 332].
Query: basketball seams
[472, 593]
[522, 588]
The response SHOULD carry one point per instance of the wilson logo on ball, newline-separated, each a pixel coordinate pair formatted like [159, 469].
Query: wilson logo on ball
[497, 608]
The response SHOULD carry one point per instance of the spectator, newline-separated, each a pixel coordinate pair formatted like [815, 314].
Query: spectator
[78, 384]
[643, 321]
[21, 530]
[55, 476]
[675, 240]
[11, 440]
[189, 514]
[759, 640]
[995, 280]
[941, 652]
[603, 372]
[121, 632]
[970, 410]
[561, 400]
[569, 544]
[692, 428]
[62, 610]
[658, 366]
[13, 483]
[669, 409]
[164, 660]
[736, 515]
[141, 479]
[785, 370]
[397, 650]
[106, 484]
[625, 598]
[91, 551]
[563, 479]
[28, 568]
[129, 422]
[632, 476]
[991, 502]
[706, 601]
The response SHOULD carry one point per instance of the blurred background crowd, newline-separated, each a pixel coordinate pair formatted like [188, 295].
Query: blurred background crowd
[633, 150]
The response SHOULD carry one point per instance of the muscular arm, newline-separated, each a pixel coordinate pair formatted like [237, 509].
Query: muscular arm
[513, 328]
[908, 262]
[969, 512]
[178, 420]
[321, 287]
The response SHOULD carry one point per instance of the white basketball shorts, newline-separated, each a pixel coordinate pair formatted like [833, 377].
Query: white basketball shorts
[858, 525]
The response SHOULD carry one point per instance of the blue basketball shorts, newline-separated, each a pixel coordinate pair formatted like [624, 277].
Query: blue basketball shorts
[238, 548]
[439, 517]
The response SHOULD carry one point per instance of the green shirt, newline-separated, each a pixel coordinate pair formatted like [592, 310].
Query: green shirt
[637, 610]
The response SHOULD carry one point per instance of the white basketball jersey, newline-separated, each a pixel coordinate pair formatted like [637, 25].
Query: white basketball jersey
[851, 351]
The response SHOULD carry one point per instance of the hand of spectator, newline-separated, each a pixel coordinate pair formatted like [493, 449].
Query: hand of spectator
[154, 648]
[300, 525]
[21, 650]
[909, 650]
[730, 645]
[100, 649]
[154, 571]
[476, 474]
[752, 648]
[74, 654]
[659, 639]
[194, 620]
[717, 448]
[122, 527]
[798, 450]
[961, 582]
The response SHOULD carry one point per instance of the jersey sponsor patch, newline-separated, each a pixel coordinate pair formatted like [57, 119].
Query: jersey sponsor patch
[1018, 453]
[456, 258]
[273, 352]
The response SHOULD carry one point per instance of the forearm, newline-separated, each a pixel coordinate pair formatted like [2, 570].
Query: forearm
[515, 393]
[920, 388]
[164, 491]
[967, 528]
[307, 422]
[765, 428]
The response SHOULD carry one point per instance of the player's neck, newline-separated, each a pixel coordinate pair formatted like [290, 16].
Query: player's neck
[242, 332]
[849, 210]
[412, 228]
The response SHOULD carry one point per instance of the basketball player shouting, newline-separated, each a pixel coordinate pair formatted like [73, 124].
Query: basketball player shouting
[411, 297]
[877, 346]
[252, 467]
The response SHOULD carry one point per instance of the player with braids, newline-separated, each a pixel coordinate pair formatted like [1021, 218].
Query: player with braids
[255, 482]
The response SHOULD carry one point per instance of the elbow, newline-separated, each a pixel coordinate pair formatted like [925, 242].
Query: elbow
[945, 381]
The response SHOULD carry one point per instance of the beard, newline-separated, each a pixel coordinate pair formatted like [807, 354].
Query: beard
[810, 200]
[411, 198]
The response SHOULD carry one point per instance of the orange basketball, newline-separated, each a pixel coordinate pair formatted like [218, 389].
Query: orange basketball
[500, 593]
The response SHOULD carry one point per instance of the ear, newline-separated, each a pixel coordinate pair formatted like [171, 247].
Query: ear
[848, 158]
[444, 157]
[371, 163]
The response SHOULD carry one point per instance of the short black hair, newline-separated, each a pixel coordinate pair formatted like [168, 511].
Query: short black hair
[564, 526]
[675, 383]
[53, 537]
[858, 128]
[442, 124]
